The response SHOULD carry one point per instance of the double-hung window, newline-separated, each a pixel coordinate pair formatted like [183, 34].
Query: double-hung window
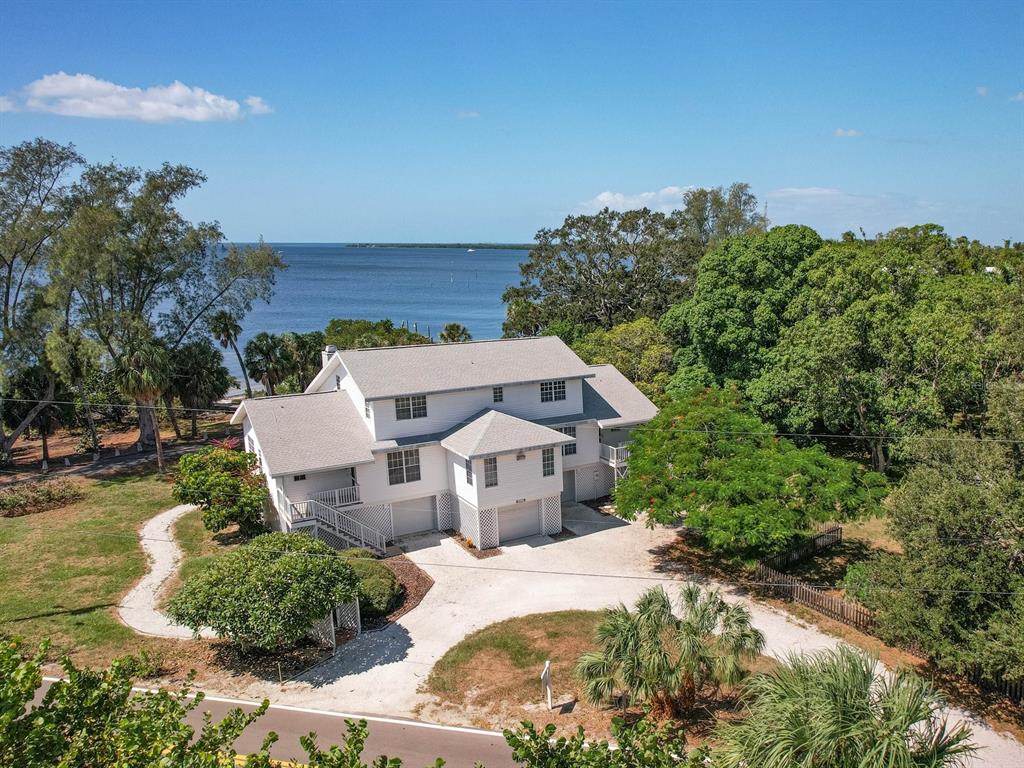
[414, 407]
[403, 466]
[552, 390]
[548, 461]
[569, 449]
[490, 472]
[498, 394]
[469, 472]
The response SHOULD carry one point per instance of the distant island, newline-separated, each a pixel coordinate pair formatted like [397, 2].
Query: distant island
[474, 246]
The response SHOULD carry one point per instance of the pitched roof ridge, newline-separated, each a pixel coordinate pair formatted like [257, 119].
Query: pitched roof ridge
[265, 398]
[442, 344]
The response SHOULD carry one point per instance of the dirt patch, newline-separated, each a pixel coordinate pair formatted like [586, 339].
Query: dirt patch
[479, 554]
[492, 677]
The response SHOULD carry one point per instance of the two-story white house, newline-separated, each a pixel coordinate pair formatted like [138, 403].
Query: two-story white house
[486, 438]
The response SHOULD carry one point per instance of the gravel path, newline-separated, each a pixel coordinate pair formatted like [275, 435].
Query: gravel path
[138, 609]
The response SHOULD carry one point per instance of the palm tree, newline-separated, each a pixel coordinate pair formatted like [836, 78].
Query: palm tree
[653, 657]
[455, 332]
[836, 709]
[267, 359]
[200, 378]
[143, 373]
[226, 330]
[304, 349]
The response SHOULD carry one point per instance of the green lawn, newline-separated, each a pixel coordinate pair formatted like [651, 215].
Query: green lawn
[64, 570]
[199, 547]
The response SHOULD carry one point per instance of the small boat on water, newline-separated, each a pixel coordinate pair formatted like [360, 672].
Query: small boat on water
[471, 250]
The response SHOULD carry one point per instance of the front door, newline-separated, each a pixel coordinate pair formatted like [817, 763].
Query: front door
[569, 485]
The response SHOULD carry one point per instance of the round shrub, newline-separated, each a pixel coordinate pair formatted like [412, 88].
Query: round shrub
[379, 589]
[358, 553]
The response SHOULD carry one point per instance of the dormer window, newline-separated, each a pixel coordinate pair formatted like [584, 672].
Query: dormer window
[414, 407]
[498, 394]
[552, 390]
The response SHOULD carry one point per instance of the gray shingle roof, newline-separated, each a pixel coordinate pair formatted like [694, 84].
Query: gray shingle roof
[307, 433]
[421, 369]
[613, 400]
[491, 432]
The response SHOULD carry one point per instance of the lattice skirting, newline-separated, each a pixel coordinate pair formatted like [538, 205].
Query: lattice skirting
[594, 481]
[323, 631]
[488, 528]
[447, 511]
[346, 616]
[377, 516]
[469, 522]
[551, 515]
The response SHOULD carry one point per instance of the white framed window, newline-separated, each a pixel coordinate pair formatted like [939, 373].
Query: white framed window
[403, 466]
[298, 478]
[569, 449]
[337, 382]
[498, 394]
[548, 461]
[414, 407]
[552, 390]
[490, 472]
[469, 472]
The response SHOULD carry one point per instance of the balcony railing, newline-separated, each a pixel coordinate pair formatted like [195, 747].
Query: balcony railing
[338, 497]
[614, 454]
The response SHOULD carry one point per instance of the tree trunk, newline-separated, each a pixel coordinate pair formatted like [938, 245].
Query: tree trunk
[159, 444]
[8, 440]
[245, 376]
[169, 405]
[879, 456]
[195, 426]
[91, 425]
[146, 424]
[46, 447]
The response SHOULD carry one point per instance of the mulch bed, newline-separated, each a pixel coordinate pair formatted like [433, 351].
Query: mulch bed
[415, 585]
[479, 554]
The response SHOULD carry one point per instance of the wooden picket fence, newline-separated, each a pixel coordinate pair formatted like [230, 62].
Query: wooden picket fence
[853, 614]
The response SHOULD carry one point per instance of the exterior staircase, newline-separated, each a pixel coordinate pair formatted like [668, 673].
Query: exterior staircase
[338, 529]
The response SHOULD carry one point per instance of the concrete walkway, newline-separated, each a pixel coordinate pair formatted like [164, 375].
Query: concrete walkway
[138, 609]
[608, 561]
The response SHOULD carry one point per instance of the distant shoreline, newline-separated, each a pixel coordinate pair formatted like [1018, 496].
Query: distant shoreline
[474, 246]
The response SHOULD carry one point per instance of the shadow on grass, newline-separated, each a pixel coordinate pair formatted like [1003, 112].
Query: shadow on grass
[63, 612]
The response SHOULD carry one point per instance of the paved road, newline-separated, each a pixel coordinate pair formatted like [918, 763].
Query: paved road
[417, 744]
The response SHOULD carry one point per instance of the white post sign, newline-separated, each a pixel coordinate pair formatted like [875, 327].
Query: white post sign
[545, 680]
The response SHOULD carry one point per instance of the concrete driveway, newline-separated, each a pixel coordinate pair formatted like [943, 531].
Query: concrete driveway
[606, 562]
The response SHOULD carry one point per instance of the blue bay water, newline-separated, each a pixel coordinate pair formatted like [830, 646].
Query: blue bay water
[425, 287]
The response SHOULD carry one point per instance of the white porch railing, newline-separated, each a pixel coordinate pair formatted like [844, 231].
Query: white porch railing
[338, 497]
[311, 509]
[614, 454]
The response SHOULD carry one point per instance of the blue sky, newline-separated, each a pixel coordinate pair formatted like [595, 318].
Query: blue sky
[486, 121]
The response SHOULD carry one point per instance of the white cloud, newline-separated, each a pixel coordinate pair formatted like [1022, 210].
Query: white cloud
[6, 104]
[665, 199]
[1019, 96]
[832, 211]
[982, 90]
[82, 95]
[847, 133]
[470, 114]
[257, 106]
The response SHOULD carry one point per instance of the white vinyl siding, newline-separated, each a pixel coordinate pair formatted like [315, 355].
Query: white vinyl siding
[490, 472]
[403, 466]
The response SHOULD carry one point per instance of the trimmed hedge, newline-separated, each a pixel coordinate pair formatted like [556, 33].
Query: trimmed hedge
[380, 591]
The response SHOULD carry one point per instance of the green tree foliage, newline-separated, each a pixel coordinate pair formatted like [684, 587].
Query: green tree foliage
[268, 593]
[226, 329]
[198, 378]
[267, 360]
[134, 268]
[35, 205]
[380, 592]
[225, 486]
[836, 709]
[351, 334]
[639, 350]
[650, 656]
[959, 518]
[455, 332]
[94, 718]
[708, 459]
[143, 373]
[884, 340]
[640, 745]
[26, 390]
[600, 270]
[736, 312]
[304, 357]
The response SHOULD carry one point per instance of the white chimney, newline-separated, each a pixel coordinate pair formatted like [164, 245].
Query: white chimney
[327, 354]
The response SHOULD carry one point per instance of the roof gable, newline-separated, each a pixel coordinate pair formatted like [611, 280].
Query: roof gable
[492, 432]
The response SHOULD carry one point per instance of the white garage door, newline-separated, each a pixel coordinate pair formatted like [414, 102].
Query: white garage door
[517, 521]
[413, 516]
